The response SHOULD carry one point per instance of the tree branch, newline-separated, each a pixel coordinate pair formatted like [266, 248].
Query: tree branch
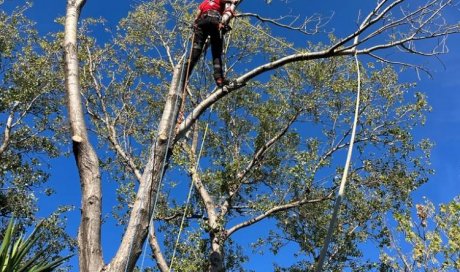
[110, 126]
[208, 202]
[7, 131]
[256, 158]
[156, 250]
[302, 28]
[242, 80]
[167, 48]
[141, 214]
[276, 209]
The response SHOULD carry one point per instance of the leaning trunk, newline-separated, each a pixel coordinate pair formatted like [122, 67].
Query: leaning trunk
[142, 211]
[89, 233]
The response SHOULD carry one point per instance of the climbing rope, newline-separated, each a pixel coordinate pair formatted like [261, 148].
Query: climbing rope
[344, 175]
[187, 204]
[184, 91]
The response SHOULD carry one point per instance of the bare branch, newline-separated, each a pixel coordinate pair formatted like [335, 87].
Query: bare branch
[208, 202]
[110, 126]
[404, 64]
[277, 209]
[7, 132]
[156, 250]
[367, 23]
[316, 20]
[26, 110]
[167, 48]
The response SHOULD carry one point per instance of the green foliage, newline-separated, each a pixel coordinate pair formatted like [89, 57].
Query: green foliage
[30, 126]
[387, 167]
[29, 102]
[15, 253]
[433, 239]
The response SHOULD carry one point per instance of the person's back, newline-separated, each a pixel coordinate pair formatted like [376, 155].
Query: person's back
[216, 5]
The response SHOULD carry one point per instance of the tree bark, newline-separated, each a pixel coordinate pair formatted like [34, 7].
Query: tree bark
[89, 233]
[216, 234]
[136, 232]
[7, 133]
[217, 253]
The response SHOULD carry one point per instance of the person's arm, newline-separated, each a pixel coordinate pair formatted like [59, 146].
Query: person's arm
[229, 10]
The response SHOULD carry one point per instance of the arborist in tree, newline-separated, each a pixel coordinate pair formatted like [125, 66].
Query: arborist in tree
[210, 22]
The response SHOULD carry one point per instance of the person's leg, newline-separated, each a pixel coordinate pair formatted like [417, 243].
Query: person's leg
[197, 47]
[216, 49]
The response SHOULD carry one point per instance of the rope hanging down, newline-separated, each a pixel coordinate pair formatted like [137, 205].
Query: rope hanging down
[344, 175]
[187, 204]
[185, 83]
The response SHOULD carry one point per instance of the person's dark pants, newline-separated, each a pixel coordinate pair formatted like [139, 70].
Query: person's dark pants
[207, 25]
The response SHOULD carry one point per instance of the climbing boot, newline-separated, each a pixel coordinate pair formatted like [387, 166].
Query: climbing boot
[221, 82]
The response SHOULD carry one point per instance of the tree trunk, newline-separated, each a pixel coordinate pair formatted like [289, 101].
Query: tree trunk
[217, 253]
[136, 232]
[89, 234]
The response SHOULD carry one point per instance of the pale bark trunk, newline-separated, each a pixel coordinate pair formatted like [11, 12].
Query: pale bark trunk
[89, 234]
[6, 134]
[156, 251]
[136, 232]
[217, 253]
[216, 232]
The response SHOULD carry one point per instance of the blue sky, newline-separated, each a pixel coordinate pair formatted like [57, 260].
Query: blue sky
[442, 126]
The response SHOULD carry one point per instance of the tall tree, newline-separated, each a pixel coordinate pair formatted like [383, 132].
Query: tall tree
[272, 144]
[89, 233]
